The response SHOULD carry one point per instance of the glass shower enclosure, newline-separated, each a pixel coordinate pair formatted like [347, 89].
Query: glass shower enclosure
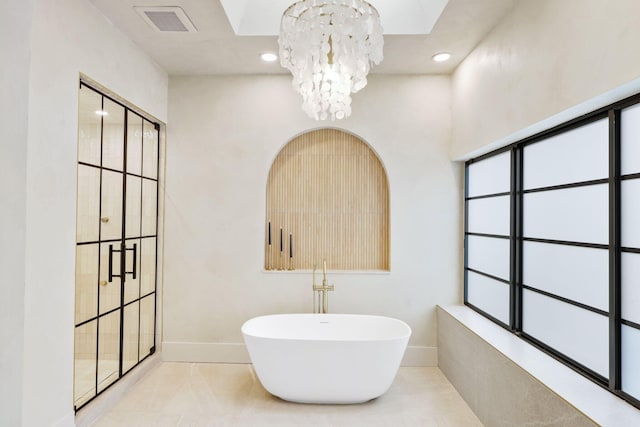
[116, 242]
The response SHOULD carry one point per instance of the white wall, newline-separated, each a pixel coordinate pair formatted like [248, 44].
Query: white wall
[15, 29]
[69, 37]
[544, 57]
[224, 134]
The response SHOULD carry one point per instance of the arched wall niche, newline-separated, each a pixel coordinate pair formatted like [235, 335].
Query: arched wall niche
[327, 198]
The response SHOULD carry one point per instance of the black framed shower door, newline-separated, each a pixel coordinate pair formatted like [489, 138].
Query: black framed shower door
[116, 242]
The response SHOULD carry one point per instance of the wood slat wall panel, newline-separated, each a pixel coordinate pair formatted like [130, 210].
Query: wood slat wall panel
[329, 191]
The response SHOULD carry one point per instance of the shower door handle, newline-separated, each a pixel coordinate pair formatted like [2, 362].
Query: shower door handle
[110, 263]
[133, 273]
[135, 261]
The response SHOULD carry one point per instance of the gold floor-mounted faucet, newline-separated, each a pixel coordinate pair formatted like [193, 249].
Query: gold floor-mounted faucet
[321, 300]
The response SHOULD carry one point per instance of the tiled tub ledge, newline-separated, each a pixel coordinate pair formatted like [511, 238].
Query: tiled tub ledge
[508, 382]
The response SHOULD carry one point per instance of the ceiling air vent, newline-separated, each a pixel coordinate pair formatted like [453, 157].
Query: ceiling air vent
[165, 19]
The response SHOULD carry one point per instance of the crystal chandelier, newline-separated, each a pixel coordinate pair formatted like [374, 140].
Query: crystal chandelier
[329, 45]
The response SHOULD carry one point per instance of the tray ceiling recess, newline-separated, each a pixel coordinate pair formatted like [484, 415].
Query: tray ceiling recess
[398, 17]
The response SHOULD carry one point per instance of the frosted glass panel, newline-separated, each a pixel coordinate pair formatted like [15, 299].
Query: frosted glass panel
[630, 140]
[630, 205]
[580, 274]
[490, 215]
[579, 334]
[631, 287]
[489, 255]
[491, 175]
[630, 358]
[575, 214]
[578, 155]
[489, 295]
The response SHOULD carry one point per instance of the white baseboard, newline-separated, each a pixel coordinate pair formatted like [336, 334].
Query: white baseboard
[237, 353]
[205, 352]
[420, 356]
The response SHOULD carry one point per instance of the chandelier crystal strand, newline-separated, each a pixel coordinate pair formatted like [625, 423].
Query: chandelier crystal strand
[329, 45]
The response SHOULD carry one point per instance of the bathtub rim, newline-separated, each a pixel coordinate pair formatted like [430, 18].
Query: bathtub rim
[406, 335]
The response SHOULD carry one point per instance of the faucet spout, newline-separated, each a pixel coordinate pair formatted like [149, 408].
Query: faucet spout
[322, 290]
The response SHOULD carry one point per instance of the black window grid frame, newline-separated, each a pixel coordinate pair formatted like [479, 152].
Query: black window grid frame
[612, 113]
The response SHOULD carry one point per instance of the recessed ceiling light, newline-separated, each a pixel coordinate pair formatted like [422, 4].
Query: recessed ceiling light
[269, 57]
[102, 113]
[441, 57]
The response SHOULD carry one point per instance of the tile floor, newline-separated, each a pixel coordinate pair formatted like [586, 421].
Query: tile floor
[207, 394]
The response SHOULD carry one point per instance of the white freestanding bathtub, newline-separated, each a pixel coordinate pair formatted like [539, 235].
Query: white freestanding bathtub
[326, 358]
